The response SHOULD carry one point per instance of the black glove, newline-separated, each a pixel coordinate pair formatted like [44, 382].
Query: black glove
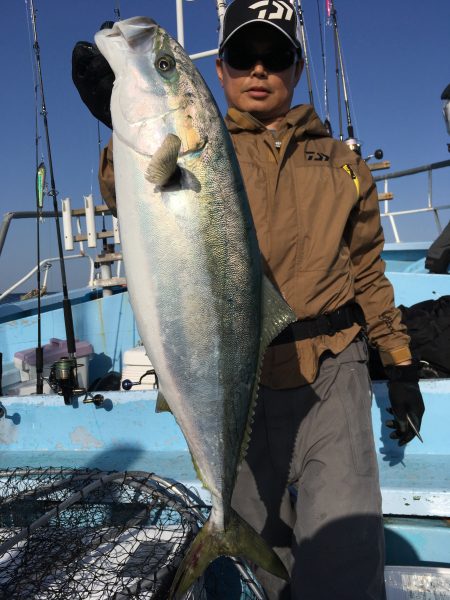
[406, 399]
[93, 78]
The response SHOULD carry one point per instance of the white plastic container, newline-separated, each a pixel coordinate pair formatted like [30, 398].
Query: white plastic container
[25, 361]
[135, 364]
[10, 378]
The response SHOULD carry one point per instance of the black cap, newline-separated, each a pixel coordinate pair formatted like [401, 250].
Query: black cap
[281, 14]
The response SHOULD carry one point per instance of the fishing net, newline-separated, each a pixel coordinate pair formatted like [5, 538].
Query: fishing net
[88, 534]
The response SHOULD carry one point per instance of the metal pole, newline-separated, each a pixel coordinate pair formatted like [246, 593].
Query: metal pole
[221, 7]
[180, 23]
[433, 166]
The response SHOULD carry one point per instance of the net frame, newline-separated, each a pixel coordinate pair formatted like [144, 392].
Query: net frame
[64, 531]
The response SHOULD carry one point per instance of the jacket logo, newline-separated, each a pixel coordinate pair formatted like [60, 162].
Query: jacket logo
[317, 156]
[283, 10]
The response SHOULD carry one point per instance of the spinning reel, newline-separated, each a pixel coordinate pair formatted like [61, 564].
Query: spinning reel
[63, 380]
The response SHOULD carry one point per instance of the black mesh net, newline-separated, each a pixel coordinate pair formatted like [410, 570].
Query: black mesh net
[87, 534]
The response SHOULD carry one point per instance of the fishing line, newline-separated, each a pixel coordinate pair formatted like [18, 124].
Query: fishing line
[67, 310]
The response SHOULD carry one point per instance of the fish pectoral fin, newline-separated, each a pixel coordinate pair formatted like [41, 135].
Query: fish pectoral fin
[161, 403]
[163, 165]
[238, 539]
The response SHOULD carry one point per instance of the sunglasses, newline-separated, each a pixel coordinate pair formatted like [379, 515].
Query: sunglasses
[275, 60]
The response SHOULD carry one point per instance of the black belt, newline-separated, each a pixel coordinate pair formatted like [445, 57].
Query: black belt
[327, 324]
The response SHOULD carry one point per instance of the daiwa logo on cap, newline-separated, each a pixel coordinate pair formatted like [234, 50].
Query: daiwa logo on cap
[281, 14]
[281, 9]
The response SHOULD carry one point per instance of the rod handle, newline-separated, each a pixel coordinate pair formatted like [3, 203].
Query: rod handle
[69, 327]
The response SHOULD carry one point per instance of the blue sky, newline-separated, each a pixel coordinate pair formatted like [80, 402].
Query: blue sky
[397, 56]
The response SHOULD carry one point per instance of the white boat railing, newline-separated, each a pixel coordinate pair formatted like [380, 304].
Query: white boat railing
[45, 264]
[102, 262]
[105, 278]
[386, 197]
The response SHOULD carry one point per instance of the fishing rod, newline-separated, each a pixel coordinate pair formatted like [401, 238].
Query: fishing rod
[337, 73]
[305, 51]
[67, 309]
[351, 141]
[327, 121]
[40, 185]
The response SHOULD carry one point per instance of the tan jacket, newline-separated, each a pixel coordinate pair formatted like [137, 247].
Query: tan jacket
[315, 208]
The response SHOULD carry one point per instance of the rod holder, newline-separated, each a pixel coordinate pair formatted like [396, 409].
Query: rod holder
[67, 223]
[90, 221]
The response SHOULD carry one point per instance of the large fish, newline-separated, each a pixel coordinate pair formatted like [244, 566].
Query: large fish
[203, 308]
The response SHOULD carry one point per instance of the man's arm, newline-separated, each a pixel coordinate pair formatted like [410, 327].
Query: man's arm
[375, 295]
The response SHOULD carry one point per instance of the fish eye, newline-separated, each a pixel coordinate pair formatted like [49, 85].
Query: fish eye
[165, 64]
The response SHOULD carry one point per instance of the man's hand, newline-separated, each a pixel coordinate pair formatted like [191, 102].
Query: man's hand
[93, 78]
[406, 401]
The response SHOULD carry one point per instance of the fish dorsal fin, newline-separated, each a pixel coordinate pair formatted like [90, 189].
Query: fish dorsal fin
[276, 315]
[164, 163]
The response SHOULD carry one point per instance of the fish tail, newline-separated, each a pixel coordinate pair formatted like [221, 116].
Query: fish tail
[238, 539]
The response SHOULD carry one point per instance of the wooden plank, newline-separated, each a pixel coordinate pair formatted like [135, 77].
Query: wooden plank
[100, 209]
[107, 258]
[101, 235]
[385, 196]
[386, 164]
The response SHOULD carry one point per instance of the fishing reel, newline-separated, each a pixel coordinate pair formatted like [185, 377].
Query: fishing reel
[378, 154]
[63, 379]
[354, 145]
[127, 384]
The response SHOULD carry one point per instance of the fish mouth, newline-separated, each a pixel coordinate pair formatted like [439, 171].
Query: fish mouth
[134, 30]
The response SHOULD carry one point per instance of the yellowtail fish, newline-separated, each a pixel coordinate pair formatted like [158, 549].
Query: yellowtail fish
[203, 308]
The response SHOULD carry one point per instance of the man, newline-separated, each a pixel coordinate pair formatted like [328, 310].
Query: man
[310, 480]
[309, 483]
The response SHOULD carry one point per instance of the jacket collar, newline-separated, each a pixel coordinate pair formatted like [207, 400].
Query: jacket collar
[302, 117]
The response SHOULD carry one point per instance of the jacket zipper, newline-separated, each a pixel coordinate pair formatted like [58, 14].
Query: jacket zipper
[349, 170]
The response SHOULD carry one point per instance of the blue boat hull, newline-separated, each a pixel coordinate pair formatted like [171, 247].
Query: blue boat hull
[126, 434]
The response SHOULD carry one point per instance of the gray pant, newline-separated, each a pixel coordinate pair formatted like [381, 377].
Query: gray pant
[310, 485]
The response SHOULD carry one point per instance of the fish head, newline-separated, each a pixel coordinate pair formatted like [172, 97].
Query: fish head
[157, 89]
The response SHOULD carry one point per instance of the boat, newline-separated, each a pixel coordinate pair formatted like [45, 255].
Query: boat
[106, 433]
